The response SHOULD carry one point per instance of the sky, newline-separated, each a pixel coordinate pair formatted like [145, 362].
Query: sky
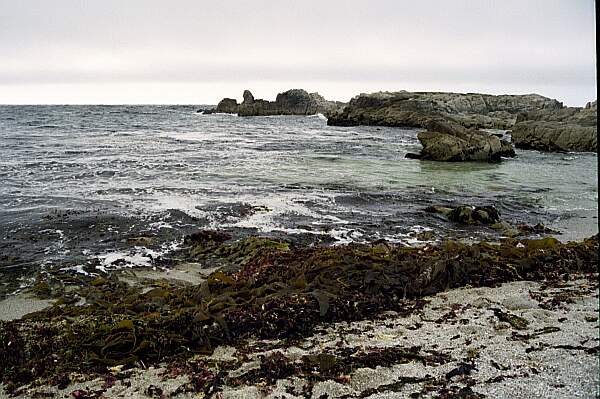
[197, 52]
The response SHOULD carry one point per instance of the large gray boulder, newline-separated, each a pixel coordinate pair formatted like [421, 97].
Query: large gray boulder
[406, 109]
[451, 142]
[566, 129]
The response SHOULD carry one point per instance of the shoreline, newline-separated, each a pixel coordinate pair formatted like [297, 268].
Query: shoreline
[457, 344]
[254, 287]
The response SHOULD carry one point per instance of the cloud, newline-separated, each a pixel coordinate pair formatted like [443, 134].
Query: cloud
[477, 44]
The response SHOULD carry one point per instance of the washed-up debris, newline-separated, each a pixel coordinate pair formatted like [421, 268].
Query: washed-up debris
[395, 386]
[333, 365]
[461, 369]
[275, 291]
[550, 299]
[516, 322]
[526, 337]
[86, 394]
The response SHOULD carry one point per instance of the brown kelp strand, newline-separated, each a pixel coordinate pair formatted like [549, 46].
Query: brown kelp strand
[276, 291]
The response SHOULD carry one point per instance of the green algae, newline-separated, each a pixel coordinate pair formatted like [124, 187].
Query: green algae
[277, 291]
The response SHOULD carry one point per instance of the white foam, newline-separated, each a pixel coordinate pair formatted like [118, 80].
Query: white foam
[318, 115]
[138, 256]
[345, 236]
[161, 225]
[77, 269]
[277, 206]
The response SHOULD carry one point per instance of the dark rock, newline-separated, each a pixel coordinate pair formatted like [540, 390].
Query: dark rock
[227, 106]
[461, 369]
[248, 97]
[479, 215]
[466, 214]
[412, 155]
[537, 229]
[154, 391]
[291, 102]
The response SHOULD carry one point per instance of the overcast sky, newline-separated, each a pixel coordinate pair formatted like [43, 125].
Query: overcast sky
[193, 51]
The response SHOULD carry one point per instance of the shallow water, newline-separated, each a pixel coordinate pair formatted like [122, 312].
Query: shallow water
[268, 174]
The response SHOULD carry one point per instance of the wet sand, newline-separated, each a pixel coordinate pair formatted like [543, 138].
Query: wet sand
[16, 306]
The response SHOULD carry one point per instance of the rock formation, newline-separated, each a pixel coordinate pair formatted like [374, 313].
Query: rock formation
[227, 106]
[291, 102]
[537, 122]
[406, 109]
[566, 129]
[449, 141]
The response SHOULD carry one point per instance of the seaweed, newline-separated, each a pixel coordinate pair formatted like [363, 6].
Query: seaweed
[334, 365]
[516, 322]
[275, 290]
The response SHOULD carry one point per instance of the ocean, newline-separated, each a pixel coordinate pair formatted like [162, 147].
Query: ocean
[120, 186]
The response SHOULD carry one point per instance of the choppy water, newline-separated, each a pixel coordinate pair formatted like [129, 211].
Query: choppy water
[347, 183]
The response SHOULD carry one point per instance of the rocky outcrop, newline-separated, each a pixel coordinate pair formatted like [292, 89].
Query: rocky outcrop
[488, 216]
[566, 129]
[291, 102]
[451, 142]
[406, 109]
[227, 106]
[466, 214]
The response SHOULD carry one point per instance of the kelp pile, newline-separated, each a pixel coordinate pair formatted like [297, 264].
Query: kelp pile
[269, 289]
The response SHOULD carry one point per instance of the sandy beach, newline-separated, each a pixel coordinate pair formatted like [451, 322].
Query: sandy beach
[522, 339]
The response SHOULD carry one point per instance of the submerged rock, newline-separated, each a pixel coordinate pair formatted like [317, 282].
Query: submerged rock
[478, 215]
[466, 214]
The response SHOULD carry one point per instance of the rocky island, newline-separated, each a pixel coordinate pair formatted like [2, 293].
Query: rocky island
[537, 122]
[452, 121]
[408, 109]
[565, 129]
[290, 102]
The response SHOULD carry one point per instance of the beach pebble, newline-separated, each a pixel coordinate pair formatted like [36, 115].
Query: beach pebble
[331, 389]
